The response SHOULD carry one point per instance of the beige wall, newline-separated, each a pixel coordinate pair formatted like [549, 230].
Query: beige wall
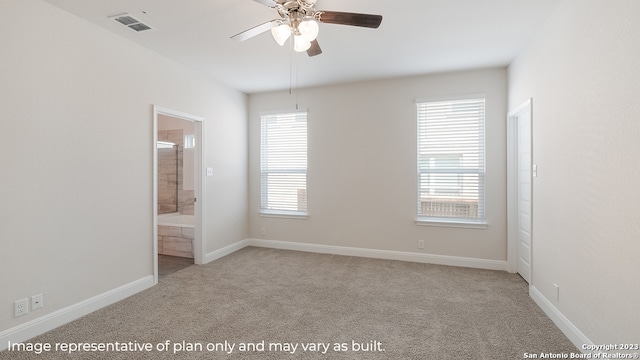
[362, 166]
[583, 75]
[76, 166]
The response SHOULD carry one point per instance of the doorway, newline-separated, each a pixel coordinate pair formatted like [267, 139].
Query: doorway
[519, 207]
[177, 191]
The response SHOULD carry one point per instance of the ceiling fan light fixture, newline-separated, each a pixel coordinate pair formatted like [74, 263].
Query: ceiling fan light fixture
[309, 29]
[300, 43]
[299, 21]
[281, 33]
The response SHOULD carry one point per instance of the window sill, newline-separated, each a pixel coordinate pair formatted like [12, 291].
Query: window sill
[451, 223]
[284, 215]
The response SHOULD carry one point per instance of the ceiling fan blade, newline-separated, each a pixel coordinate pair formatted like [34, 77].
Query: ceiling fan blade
[269, 3]
[353, 19]
[314, 49]
[254, 31]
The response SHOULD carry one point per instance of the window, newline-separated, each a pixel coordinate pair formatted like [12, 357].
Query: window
[451, 166]
[283, 163]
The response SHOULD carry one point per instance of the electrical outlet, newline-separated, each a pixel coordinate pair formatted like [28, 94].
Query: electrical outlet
[263, 231]
[36, 302]
[420, 244]
[20, 307]
[557, 294]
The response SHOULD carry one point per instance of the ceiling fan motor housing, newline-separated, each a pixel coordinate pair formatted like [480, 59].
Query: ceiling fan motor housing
[294, 10]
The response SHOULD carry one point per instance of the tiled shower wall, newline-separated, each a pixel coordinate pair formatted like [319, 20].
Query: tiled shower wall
[171, 194]
[175, 241]
[167, 184]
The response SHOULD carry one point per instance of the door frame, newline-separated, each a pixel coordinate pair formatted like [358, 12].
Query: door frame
[199, 209]
[512, 187]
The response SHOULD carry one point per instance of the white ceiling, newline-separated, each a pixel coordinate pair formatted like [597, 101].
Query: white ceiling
[416, 37]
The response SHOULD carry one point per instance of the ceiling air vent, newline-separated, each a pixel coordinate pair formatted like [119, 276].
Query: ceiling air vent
[131, 22]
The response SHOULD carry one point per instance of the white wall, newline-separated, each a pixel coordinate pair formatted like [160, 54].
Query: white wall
[76, 163]
[362, 166]
[583, 75]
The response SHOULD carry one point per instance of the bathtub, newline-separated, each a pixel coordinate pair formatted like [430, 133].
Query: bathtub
[176, 234]
[176, 219]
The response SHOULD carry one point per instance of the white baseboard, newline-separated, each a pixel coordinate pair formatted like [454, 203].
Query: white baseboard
[63, 316]
[381, 254]
[58, 318]
[568, 329]
[215, 255]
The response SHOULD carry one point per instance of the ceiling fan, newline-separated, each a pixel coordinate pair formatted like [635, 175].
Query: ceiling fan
[299, 18]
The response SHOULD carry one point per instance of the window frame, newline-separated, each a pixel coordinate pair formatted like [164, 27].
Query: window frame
[265, 209]
[465, 222]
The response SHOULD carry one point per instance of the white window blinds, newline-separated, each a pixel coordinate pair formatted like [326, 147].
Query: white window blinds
[284, 163]
[451, 164]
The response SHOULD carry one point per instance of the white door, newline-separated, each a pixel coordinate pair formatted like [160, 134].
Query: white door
[523, 125]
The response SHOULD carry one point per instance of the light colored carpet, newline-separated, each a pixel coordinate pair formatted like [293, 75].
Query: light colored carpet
[409, 310]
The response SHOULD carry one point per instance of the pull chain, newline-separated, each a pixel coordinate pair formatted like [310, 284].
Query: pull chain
[293, 66]
[291, 51]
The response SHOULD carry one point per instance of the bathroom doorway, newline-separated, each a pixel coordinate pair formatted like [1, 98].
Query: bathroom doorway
[177, 208]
